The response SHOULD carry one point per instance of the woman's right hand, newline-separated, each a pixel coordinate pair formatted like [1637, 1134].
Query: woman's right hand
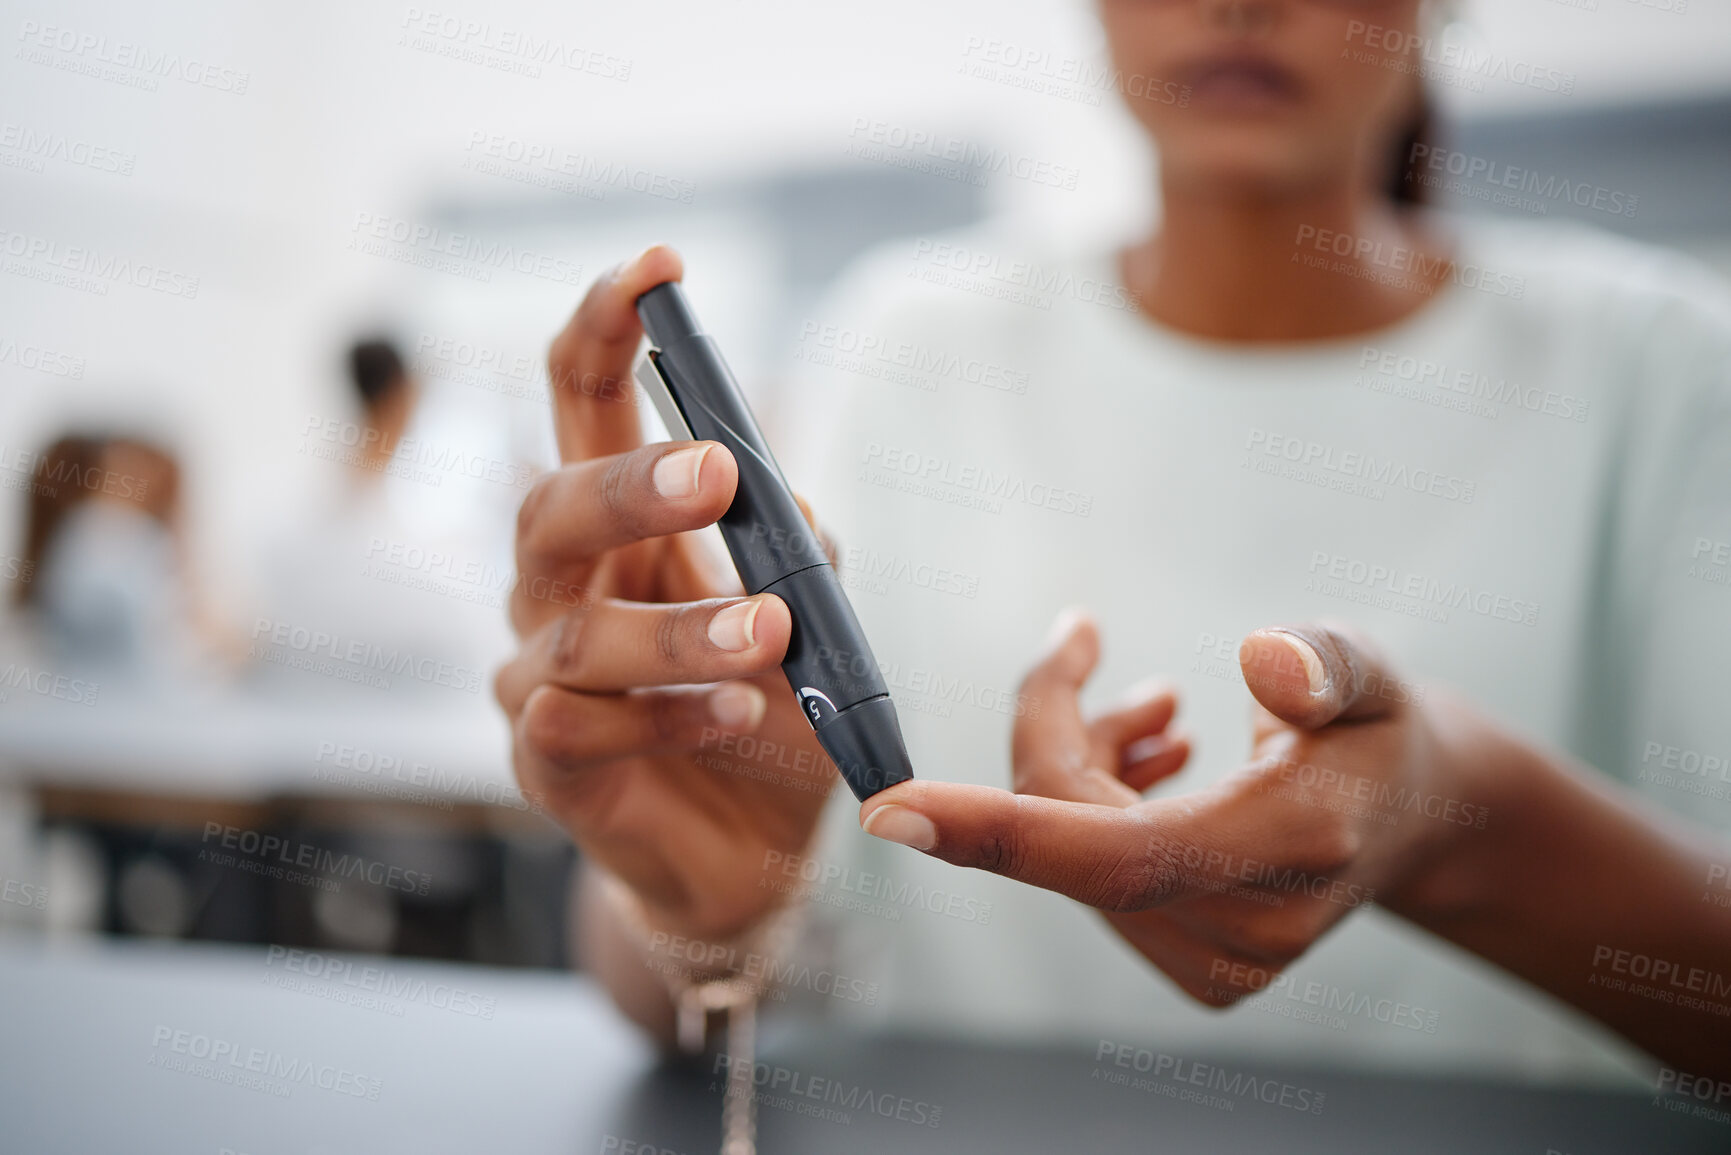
[641, 663]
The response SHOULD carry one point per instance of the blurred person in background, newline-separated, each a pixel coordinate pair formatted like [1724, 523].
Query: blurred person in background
[387, 395]
[1529, 550]
[105, 585]
[356, 566]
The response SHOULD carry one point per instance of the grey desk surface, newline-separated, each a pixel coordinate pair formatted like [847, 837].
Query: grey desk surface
[100, 1052]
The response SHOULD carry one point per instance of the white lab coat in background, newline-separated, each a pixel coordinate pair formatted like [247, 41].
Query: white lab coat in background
[395, 568]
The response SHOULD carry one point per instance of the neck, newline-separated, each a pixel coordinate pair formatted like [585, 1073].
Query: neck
[1264, 268]
[378, 446]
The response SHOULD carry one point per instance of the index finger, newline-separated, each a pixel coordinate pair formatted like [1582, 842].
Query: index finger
[589, 363]
[1051, 747]
[1112, 858]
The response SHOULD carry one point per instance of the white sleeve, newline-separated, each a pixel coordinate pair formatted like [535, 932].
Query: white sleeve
[1660, 708]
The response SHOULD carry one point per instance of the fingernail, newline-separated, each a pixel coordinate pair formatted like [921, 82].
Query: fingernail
[1315, 672]
[737, 705]
[899, 824]
[1143, 692]
[1143, 749]
[676, 474]
[730, 628]
[1065, 624]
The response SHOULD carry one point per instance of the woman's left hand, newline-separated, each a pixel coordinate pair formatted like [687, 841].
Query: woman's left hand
[1353, 793]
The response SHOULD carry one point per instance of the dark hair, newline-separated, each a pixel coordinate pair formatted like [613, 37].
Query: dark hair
[1416, 138]
[66, 475]
[376, 369]
[49, 504]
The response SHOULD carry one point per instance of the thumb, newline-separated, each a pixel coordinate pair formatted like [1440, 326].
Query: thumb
[1314, 674]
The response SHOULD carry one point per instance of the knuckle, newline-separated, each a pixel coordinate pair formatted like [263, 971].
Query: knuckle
[529, 514]
[1133, 881]
[1121, 885]
[671, 631]
[545, 733]
[567, 649]
[1278, 940]
[1332, 846]
[614, 491]
[667, 718]
[997, 853]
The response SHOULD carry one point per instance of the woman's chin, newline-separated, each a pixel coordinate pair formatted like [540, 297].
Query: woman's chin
[1234, 174]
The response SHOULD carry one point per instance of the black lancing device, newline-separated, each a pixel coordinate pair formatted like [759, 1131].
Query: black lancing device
[828, 664]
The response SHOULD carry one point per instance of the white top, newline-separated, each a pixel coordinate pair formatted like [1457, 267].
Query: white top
[1521, 491]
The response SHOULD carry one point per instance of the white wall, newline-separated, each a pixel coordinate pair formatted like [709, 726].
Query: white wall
[256, 194]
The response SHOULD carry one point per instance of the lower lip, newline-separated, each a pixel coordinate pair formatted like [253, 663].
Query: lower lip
[1242, 91]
